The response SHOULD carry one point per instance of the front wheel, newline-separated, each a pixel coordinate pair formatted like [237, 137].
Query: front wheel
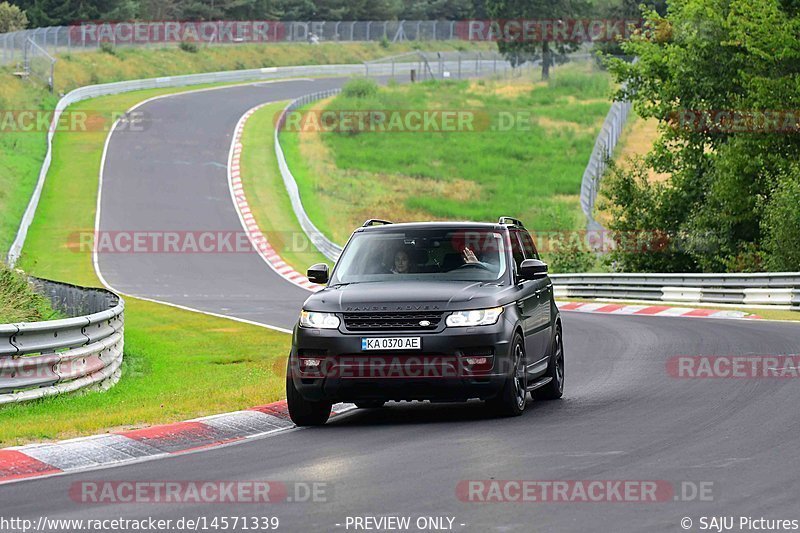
[511, 400]
[555, 370]
[304, 412]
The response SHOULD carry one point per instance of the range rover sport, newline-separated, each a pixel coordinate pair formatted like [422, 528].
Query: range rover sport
[433, 311]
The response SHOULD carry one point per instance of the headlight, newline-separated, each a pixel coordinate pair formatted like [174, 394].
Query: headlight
[478, 317]
[311, 319]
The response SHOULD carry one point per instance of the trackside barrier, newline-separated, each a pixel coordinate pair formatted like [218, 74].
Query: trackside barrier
[327, 247]
[40, 359]
[780, 289]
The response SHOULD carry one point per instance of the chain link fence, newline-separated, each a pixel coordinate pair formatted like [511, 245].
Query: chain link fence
[598, 162]
[90, 36]
[420, 66]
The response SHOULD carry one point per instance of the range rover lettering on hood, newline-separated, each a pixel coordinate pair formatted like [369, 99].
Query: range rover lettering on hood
[413, 307]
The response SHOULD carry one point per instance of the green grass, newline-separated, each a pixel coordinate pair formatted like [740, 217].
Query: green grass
[19, 302]
[266, 193]
[531, 172]
[178, 364]
[21, 153]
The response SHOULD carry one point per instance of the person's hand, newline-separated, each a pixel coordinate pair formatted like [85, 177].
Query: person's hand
[469, 256]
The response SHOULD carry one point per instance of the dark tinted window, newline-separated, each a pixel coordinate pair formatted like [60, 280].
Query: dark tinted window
[516, 248]
[420, 254]
[528, 246]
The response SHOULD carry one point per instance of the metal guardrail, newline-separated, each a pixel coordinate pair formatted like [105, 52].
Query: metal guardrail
[327, 247]
[773, 289]
[40, 359]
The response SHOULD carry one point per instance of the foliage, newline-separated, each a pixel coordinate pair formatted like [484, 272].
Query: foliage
[360, 88]
[781, 225]
[12, 18]
[707, 56]
[188, 46]
[549, 51]
[107, 48]
[18, 301]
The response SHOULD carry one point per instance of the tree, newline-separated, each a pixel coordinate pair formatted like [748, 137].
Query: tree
[64, 12]
[542, 45]
[715, 74]
[12, 18]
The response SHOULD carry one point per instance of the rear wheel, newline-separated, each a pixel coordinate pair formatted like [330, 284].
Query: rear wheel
[511, 400]
[370, 404]
[555, 370]
[304, 412]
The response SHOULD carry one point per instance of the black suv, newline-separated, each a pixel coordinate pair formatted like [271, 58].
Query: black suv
[433, 311]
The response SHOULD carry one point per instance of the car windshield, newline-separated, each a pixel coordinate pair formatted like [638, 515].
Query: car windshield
[422, 255]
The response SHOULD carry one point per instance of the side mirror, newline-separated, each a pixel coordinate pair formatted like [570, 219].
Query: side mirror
[318, 273]
[532, 269]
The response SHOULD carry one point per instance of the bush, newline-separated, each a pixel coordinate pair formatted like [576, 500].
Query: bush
[570, 258]
[188, 46]
[385, 42]
[646, 221]
[108, 48]
[12, 18]
[781, 224]
[360, 88]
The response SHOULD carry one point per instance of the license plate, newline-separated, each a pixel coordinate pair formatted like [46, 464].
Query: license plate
[391, 343]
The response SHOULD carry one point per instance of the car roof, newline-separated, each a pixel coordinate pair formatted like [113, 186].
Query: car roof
[488, 226]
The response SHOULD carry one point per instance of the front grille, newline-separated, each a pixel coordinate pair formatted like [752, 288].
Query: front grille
[391, 321]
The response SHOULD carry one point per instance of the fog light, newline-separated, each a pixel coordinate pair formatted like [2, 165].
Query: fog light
[310, 363]
[476, 360]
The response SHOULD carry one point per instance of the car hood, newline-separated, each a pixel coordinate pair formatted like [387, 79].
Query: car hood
[409, 296]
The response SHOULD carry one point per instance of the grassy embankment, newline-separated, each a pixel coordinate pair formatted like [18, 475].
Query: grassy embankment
[531, 170]
[19, 302]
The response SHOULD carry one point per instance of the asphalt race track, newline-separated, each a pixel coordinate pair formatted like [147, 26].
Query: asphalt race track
[622, 418]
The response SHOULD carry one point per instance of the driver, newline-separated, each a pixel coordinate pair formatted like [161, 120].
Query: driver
[401, 263]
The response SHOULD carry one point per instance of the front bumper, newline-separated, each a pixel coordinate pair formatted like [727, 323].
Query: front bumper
[453, 364]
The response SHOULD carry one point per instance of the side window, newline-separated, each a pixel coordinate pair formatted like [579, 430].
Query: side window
[516, 248]
[527, 245]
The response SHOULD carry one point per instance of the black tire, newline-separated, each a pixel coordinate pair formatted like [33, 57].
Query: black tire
[304, 412]
[511, 400]
[370, 404]
[555, 369]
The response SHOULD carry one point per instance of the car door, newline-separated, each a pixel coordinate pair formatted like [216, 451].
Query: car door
[527, 301]
[541, 326]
